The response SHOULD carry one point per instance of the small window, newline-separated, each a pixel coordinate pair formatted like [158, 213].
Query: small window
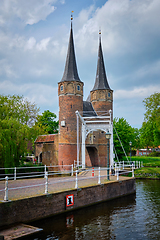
[61, 87]
[109, 94]
[78, 87]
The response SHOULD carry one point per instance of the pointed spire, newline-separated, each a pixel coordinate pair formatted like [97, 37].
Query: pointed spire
[70, 71]
[101, 78]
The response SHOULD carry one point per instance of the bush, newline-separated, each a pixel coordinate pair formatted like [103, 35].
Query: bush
[154, 154]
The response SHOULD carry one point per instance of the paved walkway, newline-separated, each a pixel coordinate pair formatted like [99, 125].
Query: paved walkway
[34, 187]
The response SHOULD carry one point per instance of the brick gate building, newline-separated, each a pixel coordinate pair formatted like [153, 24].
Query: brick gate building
[98, 103]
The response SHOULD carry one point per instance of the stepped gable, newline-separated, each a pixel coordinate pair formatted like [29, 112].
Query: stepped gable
[70, 71]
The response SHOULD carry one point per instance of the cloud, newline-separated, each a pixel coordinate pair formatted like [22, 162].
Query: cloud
[30, 12]
[138, 93]
[42, 94]
[32, 56]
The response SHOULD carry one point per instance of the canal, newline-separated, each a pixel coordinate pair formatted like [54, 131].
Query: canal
[132, 217]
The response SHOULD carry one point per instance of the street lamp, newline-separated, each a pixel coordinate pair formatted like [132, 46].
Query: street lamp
[108, 136]
[130, 144]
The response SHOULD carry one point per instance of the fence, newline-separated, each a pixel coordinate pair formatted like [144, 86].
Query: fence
[20, 172]
[128, 164]
[76, 180]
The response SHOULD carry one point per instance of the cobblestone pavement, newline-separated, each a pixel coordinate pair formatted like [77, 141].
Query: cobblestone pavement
[34, 187]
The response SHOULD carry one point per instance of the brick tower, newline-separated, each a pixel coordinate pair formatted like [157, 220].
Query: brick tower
[70, 92]
[101, 95]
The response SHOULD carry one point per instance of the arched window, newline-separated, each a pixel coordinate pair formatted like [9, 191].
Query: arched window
[61, 87]
[78, 87]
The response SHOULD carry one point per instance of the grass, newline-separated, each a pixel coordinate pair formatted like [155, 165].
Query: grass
[151, 167]
[148, 161]
[147, 172]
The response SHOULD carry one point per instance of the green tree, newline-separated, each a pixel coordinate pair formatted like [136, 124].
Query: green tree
[150, 130]
[126, 134]
[47, 120]
[17, 117]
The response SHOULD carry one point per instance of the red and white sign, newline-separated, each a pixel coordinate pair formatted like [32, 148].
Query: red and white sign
[69, 200]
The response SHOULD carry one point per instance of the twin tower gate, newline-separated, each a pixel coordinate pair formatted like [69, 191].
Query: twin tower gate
[90, 124]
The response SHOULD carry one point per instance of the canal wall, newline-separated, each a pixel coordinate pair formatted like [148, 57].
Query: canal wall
[29, 209]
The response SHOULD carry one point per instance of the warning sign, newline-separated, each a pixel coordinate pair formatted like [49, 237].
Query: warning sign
[69, 200]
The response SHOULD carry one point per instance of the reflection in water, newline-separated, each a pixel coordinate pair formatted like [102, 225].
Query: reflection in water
[131, 217]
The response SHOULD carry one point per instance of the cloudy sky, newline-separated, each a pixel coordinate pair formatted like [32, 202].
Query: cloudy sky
[34, 38]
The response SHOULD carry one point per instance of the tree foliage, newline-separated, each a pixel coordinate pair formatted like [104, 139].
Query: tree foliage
[17, 117]
[126, 134]
[47, 120]
[150, 130]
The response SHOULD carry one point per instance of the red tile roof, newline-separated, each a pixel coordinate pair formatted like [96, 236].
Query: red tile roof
[45, 138]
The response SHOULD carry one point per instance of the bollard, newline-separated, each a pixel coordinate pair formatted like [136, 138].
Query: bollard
[45, 170]
[46, 183]
[76, 185]
[6, 189]
[99, 176]
[15, 173]
[92, 172]
[72, 170]
[139, 164]
[117, 176]
[132, 170]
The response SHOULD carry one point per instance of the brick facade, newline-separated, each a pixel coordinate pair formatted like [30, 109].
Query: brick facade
[70, 92]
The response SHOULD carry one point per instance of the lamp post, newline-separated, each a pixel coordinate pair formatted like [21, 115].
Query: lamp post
[130, 144]
[108, 136]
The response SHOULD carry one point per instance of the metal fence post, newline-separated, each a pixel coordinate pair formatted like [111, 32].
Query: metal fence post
[46, 183]
[72, 170]
[99, 176]
[115, 169]
[15, 173]
[6, 189]
[123, 164]
[132, 170]
[45, 171]
[139, 164]
[117, 176]
[76, 185]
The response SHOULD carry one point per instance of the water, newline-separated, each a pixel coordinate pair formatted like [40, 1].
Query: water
[132, 217]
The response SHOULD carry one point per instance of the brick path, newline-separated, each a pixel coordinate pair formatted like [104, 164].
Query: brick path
[56, 184]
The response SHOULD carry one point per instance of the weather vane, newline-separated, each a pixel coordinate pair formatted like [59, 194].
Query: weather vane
[72, 15]
[100, 33]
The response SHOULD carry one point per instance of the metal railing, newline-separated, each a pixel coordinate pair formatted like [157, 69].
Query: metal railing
[75, 179]
[128, 164]
[19, 173]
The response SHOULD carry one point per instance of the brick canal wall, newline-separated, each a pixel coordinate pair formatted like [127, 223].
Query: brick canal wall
[34, 208]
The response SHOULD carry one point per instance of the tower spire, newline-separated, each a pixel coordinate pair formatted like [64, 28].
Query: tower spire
[70, 71]
[101, 78]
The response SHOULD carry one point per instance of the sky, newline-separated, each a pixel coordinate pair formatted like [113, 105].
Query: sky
[34, 37]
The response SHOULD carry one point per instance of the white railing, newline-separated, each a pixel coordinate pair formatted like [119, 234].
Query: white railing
[76, 165]
[126, 164]
[18, 172]
[94, 173]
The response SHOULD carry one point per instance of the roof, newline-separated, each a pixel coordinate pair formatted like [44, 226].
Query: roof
[88, 109]
[101, 78]
[70, 71]
[45, 138]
